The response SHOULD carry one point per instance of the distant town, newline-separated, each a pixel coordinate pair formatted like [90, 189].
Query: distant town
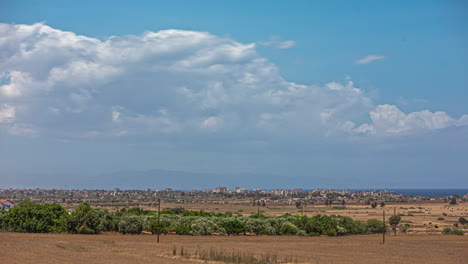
[220, 194]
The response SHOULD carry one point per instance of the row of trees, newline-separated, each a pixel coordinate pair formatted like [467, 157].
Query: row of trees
[33, 217]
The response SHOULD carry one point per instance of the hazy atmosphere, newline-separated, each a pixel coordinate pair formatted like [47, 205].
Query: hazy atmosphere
[187, 94]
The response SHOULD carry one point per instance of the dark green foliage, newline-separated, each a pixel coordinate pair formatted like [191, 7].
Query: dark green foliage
[462, 220]
[288, 229]
[450, 231]
[84, 220]
[134, 211]
[108, 222]
[33, 217]
[394, 220]
[320, 224]
[298, 204]
[233, 226]
[376, 226]
[183, 229]
[131, 224]
[164, 225]
[175, 210]
[30, 217]
[197, 213]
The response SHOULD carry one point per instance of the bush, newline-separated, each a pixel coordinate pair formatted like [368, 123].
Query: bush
[458, 232]
[319, 224]
[288, 229]
[440, 219]
[404, 229]
[376, 226]
[84, 220]
[30, 217]
[203, 227]
[447, 230]
[462, 220]
[233, 226]
[131, 224]
[259, 226]
[183, 229]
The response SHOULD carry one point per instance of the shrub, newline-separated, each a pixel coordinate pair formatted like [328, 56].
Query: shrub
[404, 229]
[319, 224]
[462, 220]
[233, 226]
[458, 232]
[30, 217]
[131, 224]
[447, 230]
[84, 220]
[289, 229]
[395, 220]
[376, 226]
[259, 227]
[203, 227]
[183, 229]
[440, 219]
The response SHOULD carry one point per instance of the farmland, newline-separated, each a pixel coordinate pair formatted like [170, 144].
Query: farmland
[116, 248]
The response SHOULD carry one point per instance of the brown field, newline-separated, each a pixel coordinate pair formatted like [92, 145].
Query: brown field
[115, 248]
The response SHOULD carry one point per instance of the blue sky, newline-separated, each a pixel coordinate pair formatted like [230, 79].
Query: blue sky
[304, 93]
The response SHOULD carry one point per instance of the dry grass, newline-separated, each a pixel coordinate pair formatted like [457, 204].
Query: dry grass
[115, 248]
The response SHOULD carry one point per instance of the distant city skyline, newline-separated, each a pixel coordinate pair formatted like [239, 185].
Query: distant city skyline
[337, 95]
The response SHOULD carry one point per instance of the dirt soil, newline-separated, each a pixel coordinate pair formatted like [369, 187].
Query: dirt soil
[115, 248]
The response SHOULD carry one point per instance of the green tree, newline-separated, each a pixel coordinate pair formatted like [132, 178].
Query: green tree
[234, 226]
[84, 220]
[131, 224]
[288, 229]
[394, 220]
[376, 226]
[30, 217]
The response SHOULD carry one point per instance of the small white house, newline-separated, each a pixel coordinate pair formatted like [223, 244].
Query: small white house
[5, 205]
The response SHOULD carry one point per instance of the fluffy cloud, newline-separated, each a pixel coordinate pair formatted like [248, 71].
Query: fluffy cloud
[369, 59]
[389, 120]
[173, 82]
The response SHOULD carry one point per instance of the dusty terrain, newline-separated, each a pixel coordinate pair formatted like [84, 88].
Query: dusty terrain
[115, 248]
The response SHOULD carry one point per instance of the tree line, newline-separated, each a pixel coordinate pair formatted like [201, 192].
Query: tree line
[31, 217]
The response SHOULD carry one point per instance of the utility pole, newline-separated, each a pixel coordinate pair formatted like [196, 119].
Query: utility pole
[385, 228]
[394, 216]
[159, 213]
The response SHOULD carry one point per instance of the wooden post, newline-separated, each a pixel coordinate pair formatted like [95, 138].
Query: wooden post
[159, 222]
[385, 231]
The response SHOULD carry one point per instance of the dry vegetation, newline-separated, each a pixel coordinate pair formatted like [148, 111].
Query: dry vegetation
[115, 248]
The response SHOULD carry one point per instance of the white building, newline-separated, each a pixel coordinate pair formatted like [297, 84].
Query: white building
[5, 205]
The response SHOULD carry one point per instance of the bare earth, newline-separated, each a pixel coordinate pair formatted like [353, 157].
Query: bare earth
[116, 248]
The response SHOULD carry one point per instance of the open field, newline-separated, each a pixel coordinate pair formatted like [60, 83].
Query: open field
[116, 248]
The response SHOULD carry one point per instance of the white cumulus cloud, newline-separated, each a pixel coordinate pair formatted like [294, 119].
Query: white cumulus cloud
[389, 120]
[174, 82]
